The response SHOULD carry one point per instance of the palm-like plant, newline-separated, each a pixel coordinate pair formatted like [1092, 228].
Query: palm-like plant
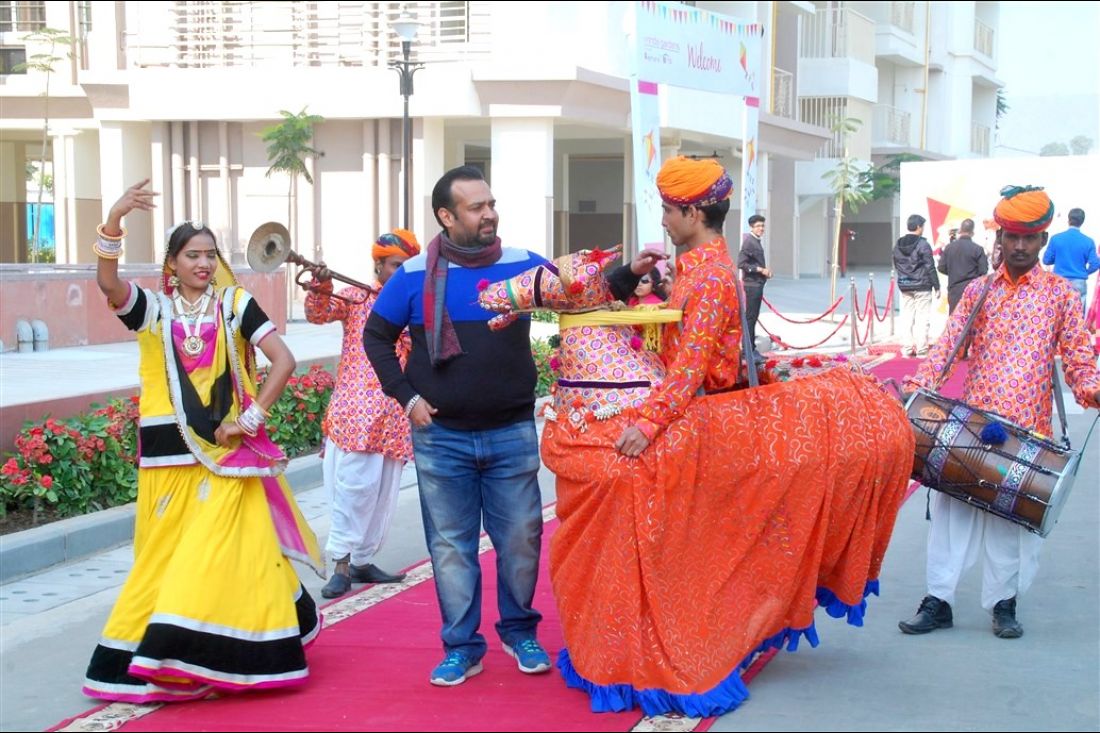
[288, 144]
[44, 62]
[851, 185]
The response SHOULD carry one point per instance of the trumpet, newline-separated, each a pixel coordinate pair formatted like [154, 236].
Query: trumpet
[269, 247]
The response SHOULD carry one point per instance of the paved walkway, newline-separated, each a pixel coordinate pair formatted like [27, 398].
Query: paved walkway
[870, 679]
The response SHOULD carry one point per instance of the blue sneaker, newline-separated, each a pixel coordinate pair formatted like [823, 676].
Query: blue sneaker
[530, 655]
[455, 668]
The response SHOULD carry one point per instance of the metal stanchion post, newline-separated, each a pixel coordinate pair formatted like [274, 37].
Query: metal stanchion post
[855, 315]
[873, 310]
[895, 296]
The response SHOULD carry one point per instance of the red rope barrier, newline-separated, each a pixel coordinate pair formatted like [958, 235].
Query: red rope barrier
[785, 345]
[866, 331]
[889, 304]
[812, 320]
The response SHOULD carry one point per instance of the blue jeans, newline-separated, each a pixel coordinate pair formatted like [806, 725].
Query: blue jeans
[1082, 288]
[465, 476]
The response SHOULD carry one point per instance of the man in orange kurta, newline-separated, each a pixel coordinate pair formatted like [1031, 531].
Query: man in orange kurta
[704, 351]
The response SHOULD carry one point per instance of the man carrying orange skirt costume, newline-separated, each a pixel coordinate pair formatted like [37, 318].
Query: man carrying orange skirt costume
[705, 523]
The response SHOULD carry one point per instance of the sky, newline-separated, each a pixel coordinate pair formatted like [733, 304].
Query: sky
[1049, 60]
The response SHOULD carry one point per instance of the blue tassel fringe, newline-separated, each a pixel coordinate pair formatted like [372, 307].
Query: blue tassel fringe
[728, 694]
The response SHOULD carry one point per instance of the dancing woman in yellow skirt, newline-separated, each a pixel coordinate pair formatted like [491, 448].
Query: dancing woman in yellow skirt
[212, 602]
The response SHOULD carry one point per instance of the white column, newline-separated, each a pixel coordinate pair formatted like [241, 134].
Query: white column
[307, 211]
[179, 190]
[370, 179]
[124, 150]
[523, 181]
[630, 236]
[429, 163]
[61, 200]
[564, 169]
[224, 218]
[195, 211]
[159, 144]
[385, 178]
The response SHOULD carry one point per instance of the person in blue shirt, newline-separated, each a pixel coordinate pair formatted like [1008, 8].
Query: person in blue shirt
[1073, 254]
[469, 392]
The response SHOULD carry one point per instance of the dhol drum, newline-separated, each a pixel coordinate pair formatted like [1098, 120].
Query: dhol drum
[1024, 479]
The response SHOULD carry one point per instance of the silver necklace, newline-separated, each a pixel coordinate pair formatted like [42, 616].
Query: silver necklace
[190, 314]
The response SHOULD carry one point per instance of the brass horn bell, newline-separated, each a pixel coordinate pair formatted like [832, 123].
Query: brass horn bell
[269, 247]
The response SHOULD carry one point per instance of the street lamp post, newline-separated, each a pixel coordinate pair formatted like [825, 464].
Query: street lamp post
[405, 27]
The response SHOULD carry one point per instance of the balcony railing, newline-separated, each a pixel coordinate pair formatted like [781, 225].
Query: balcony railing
[823, 112]
[838, 33]
[249, 34]
[979, 138]
[983, 38]
[891, 126]
[901, 15]
[783, 94]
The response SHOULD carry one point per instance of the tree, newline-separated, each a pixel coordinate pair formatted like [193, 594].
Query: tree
[1080, 145]
[288, 145]
[44, 62]
[1053, 149]
[851, 184]
[1002, 108]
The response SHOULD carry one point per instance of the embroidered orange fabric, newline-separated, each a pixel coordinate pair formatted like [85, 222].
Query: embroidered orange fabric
[671, 568]
[705, 349]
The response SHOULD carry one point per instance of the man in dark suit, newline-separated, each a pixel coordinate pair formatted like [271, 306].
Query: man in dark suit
[751, 263]
[962, 261]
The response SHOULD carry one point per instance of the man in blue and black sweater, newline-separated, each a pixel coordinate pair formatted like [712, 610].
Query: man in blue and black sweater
[470, 394]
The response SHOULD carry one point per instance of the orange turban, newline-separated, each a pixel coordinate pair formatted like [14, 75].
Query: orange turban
[688, 182]
[1024, 209]
[398, 243]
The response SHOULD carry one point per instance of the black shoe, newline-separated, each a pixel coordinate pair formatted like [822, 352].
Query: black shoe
[371, 573]
[1005, 625]
[337, 585]
[933, 614]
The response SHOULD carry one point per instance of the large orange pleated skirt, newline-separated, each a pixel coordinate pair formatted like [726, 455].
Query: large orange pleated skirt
[670, 570]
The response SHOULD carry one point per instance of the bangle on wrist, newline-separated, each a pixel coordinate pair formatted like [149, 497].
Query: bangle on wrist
[105, 251]
[411, 404]
[111, 237]
[252, 419]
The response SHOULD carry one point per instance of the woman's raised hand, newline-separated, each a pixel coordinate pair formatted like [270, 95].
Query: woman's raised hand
[136, 197]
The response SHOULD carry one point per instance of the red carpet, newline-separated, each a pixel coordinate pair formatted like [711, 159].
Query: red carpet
[369, 671]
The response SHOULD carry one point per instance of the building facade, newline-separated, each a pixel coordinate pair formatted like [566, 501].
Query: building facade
[536, 94]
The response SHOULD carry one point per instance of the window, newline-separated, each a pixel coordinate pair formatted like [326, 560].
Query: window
[12, 57]
[22, 16]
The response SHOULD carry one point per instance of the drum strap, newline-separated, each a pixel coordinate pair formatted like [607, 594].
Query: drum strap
[1056, 384]
[961, 343]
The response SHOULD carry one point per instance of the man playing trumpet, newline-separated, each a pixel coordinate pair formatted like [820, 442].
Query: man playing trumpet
[366, 433]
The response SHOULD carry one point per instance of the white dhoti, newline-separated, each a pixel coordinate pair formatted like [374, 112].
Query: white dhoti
[362, 490]
[960, 534]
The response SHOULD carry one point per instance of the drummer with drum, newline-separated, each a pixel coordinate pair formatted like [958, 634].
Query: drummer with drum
[1022, 318]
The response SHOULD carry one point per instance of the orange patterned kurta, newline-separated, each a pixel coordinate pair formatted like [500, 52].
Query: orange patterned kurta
[360, 417]
[705, 349]
[1020, 329]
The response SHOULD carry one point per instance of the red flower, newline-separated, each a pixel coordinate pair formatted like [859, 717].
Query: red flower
[576, 287]
[135, 399]
[814, 361]
[797, 362]
[771, 363]
[482, 285]
[636, 342]
[11, 467]
[46, 481]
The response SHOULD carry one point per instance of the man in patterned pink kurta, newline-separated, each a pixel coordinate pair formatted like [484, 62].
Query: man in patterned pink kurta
[1028, 317]
[366, 432]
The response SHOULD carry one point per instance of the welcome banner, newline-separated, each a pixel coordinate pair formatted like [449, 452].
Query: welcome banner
[693, 49]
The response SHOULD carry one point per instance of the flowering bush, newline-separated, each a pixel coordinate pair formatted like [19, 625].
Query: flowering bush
[543, 354]
[77, 465]
[295, 420]
[89, 462]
